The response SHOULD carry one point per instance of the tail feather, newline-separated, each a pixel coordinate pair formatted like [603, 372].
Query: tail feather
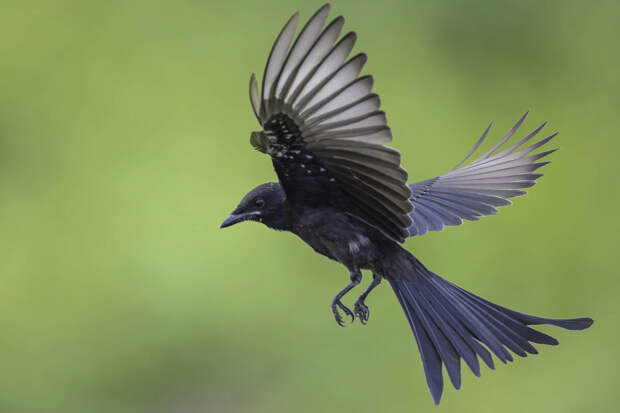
[431, 362]
[469, 343]
[450, 323]
[567, 323]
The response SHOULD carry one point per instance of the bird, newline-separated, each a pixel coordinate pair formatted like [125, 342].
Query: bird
[345, 194]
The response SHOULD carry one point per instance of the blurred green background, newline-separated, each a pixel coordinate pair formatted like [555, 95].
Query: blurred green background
[124, 130]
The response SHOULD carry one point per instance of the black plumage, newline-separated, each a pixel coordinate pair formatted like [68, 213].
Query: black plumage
[345, 194]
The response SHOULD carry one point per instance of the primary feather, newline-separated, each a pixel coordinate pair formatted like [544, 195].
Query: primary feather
[476, 189]
[323, 128]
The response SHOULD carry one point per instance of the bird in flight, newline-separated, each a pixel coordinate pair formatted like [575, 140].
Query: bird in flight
[344, 193]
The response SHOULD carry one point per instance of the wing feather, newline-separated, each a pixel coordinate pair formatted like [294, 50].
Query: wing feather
[304, 42]
[311, 62]
[367, 104]
[476, 189]
[276, 59]
[255, 96]
[356, 90]
[324, 129]
[344, 75]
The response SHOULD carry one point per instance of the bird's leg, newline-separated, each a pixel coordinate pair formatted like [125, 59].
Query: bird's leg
[356, 277]
[361, 310]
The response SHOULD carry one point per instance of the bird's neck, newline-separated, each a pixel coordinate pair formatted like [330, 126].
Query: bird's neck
[281, 220]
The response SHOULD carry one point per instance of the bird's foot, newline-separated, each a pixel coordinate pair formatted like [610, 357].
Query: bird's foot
[337, 304]
[361, 311]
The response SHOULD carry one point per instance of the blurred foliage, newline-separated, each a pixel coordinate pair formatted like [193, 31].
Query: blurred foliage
[124, 131]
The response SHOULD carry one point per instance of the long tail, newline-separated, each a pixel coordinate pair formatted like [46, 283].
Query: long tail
[450, 323]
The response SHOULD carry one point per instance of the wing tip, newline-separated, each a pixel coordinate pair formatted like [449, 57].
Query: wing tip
[578, 323]
[350, 34]
[326, 6]
[255, 100]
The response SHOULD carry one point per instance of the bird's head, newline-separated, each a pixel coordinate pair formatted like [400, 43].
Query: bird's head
[262, 204]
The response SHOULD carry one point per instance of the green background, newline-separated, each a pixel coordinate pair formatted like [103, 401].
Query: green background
[124, 129]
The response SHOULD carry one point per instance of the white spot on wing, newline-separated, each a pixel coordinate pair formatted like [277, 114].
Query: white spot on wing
[354, 247]
[363, 240]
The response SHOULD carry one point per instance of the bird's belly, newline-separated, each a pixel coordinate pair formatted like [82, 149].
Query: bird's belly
[352, 249]
[324, 252]
[317, 245]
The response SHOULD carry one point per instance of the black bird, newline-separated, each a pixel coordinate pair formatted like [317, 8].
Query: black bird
[345, 194]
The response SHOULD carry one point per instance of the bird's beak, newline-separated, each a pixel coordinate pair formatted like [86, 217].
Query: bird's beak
[236, 218]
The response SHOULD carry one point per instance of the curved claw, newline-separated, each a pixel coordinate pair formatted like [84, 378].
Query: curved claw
[346, 310]
[338, 317]
[337, 304]
[362, 312]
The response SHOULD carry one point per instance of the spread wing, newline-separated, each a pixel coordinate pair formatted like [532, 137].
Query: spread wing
[323, 128]
[476, 189]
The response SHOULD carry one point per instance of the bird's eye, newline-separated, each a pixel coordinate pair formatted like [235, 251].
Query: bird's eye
[259, 202]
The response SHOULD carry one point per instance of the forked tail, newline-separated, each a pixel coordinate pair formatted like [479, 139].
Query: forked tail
[450, 323]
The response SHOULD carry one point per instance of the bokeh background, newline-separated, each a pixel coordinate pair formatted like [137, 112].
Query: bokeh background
[124, 130]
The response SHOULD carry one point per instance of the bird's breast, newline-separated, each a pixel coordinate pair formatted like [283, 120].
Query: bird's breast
[338, 236]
